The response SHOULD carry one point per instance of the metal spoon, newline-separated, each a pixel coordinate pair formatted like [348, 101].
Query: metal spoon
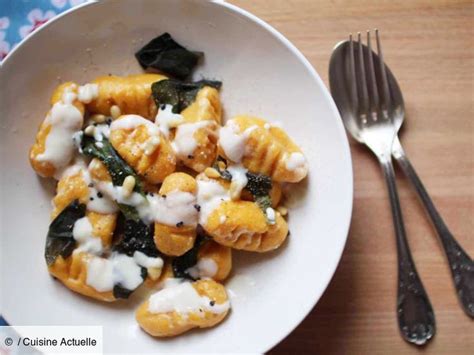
[369, 100]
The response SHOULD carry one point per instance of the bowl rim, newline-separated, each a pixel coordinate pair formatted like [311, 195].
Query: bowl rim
[346, 215]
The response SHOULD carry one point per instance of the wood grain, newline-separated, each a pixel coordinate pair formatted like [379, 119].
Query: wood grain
[429, 45]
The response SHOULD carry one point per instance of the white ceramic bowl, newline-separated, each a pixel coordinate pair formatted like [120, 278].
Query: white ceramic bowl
[264, 75]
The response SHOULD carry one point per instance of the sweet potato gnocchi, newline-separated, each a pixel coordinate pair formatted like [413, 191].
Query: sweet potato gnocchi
[154, 191]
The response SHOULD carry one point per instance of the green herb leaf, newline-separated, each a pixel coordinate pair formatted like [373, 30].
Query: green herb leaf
[179, 94]
[182, 263]
[263, 202]
[60, 241]
[165, 54]
[116, 166]
[129, 212]
[136, 236]
[258, 184]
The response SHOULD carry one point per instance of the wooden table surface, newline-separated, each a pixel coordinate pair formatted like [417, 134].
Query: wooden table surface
[429, 45]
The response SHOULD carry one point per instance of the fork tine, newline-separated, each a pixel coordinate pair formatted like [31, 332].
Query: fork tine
[383, 73]
[362, 81]
[373, 80]
[354, 94]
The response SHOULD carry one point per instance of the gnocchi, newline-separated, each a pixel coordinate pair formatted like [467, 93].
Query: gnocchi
[178, 239]
[142, 146]
[131, 94]
[262, 148]
[179, 308]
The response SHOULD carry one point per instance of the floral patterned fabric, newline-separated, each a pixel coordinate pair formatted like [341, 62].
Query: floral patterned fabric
[18, 18]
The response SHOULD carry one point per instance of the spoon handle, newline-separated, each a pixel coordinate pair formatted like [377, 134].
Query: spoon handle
[415, 314]
[461, 265]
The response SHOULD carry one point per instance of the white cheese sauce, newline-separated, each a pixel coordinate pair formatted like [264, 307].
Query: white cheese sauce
[210, 195]
[205, 267]
[176, 208]
[100, 131]
[87, 93]
[147, 261]
[183, 298]
[82, 232]
[150, 145]
[103, 274]
[100, 203]
[117, 194]
[100, 274]
[65, 120]
[239, 179]
[270, 213]
[185, 143]
[166, 119]
[232, 141]
[130, 122]
[296, 161]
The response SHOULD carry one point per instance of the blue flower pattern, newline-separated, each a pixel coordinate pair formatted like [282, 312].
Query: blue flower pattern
[18, 18]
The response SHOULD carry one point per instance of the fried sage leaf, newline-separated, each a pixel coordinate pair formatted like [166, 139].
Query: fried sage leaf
[179, 94]
[60, 241]
[258, 184]
[165, 54]
[117, 167]
[136, 236]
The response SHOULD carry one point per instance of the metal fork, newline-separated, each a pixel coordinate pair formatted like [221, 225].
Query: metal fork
[368, 114]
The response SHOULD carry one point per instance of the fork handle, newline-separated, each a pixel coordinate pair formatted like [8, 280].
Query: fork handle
[415, 315]
[461, 265]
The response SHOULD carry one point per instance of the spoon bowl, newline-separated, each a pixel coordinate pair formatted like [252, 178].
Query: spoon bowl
[339, 70]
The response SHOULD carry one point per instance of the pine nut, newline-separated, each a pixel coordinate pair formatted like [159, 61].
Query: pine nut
[98, 118]
[221, 165]
[115, 111]
[89, 130]
[154, 273]
[128, 185]
[283, 210]
[212, 173]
